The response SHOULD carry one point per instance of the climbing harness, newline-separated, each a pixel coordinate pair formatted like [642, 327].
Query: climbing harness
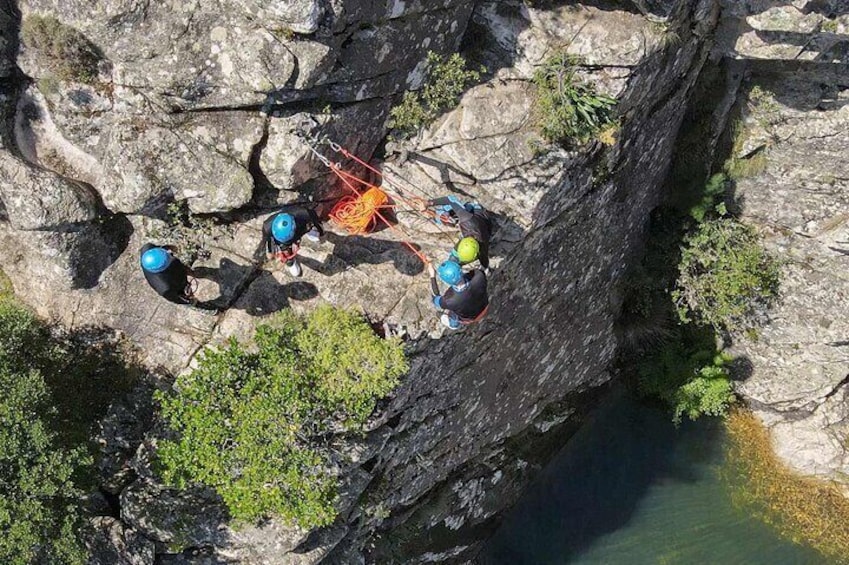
[191, 287]
[288, 254]
[476, 319]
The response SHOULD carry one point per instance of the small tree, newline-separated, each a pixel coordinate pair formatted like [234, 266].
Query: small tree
[726, 278]
[250, 420]
[39, 517]
[688, 374]
[567, 109]
[445, 81]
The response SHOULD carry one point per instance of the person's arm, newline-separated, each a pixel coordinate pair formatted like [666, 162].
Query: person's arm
[266, 235]
[483, 254]
[463, 215]
[316, 221]
[434, 286]
[176, 297]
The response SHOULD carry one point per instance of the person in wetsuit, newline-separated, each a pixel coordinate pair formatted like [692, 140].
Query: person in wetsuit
[465, 301]
[168, 276]
[282, 233]
[475, 225]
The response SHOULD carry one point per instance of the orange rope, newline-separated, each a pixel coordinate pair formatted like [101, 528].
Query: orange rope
[376, 212]
[356, 214]
[418, 200]
[415, 203]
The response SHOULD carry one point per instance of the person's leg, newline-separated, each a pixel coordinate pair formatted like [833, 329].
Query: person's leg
[450, 321]
[294, 267]
[313, 235]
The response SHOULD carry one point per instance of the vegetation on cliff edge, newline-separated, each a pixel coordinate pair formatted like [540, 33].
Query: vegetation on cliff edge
[444, 83]
[253, 421]
[803, 509]
[705, 276]
[64, 50]
[567, 109]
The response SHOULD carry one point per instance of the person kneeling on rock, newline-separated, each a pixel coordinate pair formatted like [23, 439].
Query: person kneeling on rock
[168, 276]
[475, 225]
[282, 233]
[466, 301]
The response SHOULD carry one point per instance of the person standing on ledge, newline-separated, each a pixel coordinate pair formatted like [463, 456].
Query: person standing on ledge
[169, 277]
[282, 233]
[466, 301]
[475, 225]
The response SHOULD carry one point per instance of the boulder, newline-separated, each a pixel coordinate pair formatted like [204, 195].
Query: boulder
[113, 543]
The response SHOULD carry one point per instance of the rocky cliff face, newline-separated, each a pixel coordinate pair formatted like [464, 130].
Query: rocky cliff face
[204, 102]
[793, 118]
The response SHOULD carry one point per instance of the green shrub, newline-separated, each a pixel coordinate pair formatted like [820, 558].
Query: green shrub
[62, 48]
[726, 278]
[568, 110]
[710, 198]
[688, 374]
[444, 82]
[190, 234]
[250, 419]
[39, 518]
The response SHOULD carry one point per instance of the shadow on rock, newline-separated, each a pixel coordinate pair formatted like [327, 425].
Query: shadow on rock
[254, 290]
[96, 247]
[267, 296]
[350, 251]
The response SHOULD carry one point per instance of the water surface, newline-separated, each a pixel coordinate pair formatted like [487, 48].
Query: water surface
[631, 489]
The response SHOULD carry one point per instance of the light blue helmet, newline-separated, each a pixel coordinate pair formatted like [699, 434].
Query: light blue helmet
[450, 272]
[283, 228]
[155, 260]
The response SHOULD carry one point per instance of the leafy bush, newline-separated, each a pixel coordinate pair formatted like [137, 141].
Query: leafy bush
[567, 109]
[250, 419]
[66, 51]
[710, 199]
[726, 278]
[689, 375]
[38, 513]
[190, 234]
[445, 81]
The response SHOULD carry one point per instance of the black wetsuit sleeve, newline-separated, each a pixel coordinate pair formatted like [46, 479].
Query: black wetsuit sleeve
[483, 253]
[441, 201]
[267, 240]
[316, 221]
[434, 286]
[176, 297]
[463, 215]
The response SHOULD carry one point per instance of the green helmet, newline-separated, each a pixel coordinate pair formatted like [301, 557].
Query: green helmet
[467, 250]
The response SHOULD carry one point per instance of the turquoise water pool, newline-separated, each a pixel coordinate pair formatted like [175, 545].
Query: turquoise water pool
[631, 489]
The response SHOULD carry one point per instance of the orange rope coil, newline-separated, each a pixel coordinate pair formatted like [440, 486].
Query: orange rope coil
[358, 214]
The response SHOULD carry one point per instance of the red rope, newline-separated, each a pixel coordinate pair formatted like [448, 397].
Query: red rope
[342, 176]
[420, 203]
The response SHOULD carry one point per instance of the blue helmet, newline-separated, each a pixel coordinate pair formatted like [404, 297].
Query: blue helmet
[283, 228]
[155, 260]
[450, 272]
